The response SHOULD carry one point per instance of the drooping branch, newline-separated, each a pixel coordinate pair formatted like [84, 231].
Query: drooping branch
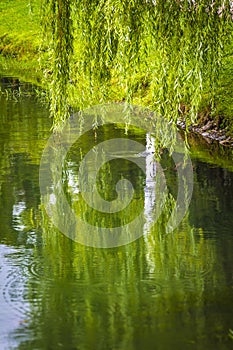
[58, 27]
[176, 44]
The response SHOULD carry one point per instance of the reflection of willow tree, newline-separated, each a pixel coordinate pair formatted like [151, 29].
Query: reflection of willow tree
[24, 128]
[115, 298]
[67, 201]
[208, 199]
[97, 195]
[172, 48]
[107, 181]
[122, 297]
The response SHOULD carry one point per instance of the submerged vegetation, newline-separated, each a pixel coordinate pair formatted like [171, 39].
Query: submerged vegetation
[173, 56]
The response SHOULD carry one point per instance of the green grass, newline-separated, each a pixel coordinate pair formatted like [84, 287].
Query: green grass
[20, 26]
[20, 38]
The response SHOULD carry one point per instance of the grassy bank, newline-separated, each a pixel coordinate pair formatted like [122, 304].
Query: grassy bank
[20, 39]
[20, 55]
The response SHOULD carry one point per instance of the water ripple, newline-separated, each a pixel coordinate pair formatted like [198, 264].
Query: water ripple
[15, 294]
[35, 269]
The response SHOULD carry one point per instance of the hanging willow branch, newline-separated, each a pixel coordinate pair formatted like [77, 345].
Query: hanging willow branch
[176, 45]
[58, 27]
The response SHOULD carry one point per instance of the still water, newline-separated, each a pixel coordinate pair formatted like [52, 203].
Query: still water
[162, 291]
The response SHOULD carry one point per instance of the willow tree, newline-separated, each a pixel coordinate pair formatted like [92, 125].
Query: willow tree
[102, 50]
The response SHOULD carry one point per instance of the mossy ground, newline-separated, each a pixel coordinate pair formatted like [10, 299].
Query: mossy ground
[21, 45]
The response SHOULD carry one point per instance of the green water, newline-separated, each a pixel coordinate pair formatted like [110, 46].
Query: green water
[162, 291]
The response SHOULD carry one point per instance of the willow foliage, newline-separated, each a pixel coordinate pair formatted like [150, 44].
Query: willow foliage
[59, 32]
[172, 48]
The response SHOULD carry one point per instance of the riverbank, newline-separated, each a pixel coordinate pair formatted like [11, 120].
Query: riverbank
[22, 54]
[210, 131]
[20, 40]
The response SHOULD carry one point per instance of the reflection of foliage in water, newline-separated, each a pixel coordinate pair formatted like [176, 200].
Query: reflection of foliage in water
[118, 296]
[111, 297]
[123, 152]
[23, 131]
[169, 288]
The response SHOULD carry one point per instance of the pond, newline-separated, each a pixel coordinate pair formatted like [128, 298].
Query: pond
[160, 291]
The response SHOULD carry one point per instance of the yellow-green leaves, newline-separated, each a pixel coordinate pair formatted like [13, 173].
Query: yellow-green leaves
[176, 45]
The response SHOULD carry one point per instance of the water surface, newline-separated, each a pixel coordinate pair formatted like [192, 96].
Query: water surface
[158, 292]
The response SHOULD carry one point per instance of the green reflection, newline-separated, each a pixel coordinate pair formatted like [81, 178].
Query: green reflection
[131, 297]
[158, 292]
[128, 297]
[24, 130]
